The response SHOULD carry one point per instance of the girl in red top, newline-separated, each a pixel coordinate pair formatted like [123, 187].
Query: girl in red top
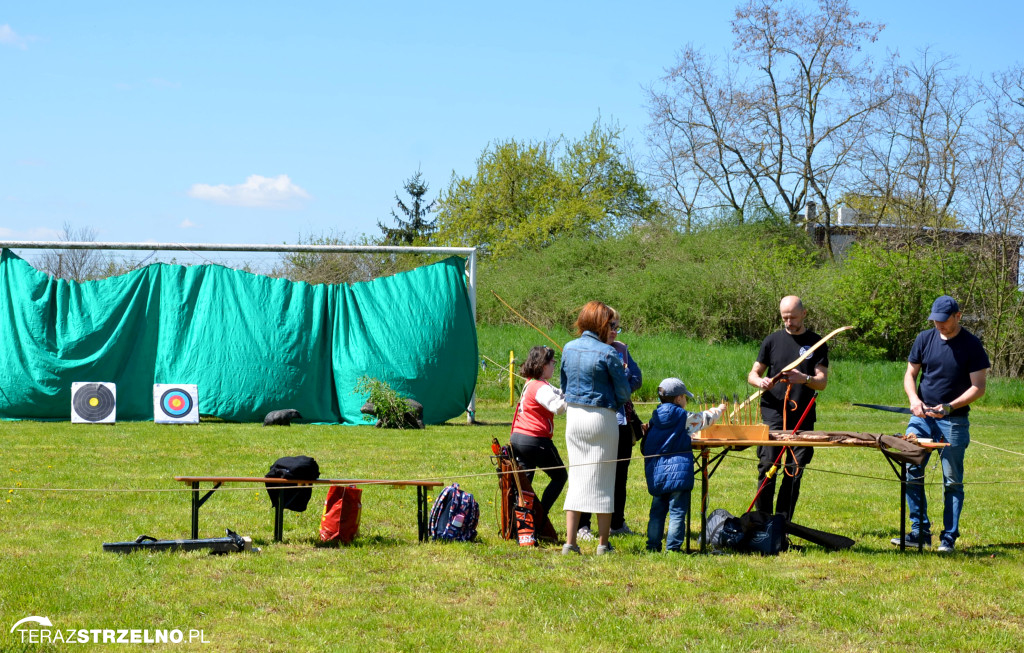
[534, 424]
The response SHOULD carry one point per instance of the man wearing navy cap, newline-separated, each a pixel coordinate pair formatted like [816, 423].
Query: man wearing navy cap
[952, 365]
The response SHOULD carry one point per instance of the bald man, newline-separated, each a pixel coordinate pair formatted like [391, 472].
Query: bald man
[795, 388]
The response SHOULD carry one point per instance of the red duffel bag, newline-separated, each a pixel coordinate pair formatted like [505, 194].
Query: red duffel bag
[340, 521]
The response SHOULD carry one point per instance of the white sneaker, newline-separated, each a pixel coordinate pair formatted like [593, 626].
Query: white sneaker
[584, 534]
[570, 548]
[604, 550]
[624, 530]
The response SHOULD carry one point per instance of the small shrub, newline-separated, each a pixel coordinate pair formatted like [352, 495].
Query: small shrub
[389, 406]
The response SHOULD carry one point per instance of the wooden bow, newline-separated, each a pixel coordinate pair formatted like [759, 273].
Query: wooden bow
[791, 366]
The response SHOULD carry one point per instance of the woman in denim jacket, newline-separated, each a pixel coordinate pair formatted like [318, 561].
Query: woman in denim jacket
[625, 451]
[595, 386]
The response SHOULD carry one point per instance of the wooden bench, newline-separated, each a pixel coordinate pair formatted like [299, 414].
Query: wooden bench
[422, 509]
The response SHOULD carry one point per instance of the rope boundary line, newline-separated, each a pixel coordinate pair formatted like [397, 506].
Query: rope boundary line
[443, 479]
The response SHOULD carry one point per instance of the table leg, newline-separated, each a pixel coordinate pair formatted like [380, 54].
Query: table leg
[279, 520]
[902, 475]
[195, 510]
[421, 513]
[903, 507]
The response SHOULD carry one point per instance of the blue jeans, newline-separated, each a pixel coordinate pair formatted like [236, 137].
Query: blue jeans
[953, 430]
[673, 504]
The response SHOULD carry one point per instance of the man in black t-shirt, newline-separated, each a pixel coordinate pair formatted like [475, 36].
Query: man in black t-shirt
[785, 399]
[952, 365]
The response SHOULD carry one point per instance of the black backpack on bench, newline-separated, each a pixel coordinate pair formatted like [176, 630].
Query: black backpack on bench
[295, 468]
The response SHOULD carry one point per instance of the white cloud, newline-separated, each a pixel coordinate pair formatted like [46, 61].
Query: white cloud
[9, 37]
[186, 223]
[257, 191]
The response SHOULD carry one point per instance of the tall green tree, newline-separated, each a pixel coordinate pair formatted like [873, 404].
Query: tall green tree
[527, 194]
[415, 226]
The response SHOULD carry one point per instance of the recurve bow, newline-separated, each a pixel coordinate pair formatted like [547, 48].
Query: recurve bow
[791, 366]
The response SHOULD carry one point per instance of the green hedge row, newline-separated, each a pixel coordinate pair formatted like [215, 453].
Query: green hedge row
[724, 283]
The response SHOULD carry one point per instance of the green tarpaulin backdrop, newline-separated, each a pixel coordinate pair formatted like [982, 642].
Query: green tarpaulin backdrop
[252, 343]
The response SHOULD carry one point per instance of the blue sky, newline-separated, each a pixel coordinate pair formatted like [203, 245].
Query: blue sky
[257, 122]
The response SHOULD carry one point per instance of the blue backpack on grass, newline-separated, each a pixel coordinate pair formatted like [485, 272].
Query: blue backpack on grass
[454, 516]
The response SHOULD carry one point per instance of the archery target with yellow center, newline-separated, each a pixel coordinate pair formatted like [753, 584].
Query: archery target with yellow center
[175, 403]
[93, 403]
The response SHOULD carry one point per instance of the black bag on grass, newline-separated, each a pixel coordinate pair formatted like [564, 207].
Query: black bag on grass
[295, 468]
[765, 532]
[754, 532]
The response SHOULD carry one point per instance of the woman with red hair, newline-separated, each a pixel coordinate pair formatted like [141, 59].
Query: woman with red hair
[595, 386]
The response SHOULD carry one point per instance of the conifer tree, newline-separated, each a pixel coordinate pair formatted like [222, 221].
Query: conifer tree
[415, 226]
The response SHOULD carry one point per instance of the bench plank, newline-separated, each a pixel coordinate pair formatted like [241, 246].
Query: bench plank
[422, 510]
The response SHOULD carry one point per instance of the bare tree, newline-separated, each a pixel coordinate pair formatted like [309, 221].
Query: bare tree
[695, 125]
[336, 268]
[995, 194]
[944, 165]
[908, 173]
[77, 264]
[799, 112]
[911, 163]
[774, 124]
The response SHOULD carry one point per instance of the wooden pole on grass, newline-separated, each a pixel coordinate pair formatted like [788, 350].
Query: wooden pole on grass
[511, 378]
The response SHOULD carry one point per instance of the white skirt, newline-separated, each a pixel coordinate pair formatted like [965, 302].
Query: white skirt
[591, 436]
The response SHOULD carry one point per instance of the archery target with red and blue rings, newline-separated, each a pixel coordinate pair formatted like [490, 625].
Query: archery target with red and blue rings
[175, 403]
[93, 403]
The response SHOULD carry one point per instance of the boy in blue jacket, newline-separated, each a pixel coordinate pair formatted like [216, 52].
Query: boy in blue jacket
[668, 462]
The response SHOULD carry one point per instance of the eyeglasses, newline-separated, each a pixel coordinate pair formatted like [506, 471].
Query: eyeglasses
[615, 327]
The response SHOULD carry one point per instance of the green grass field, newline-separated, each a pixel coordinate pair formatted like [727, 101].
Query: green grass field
[388, 592]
